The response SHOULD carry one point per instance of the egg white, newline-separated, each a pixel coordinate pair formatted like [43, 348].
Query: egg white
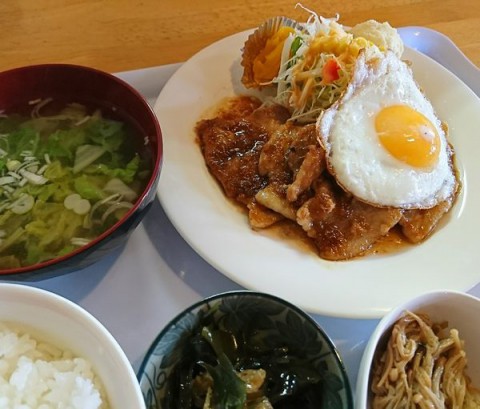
[355, 156]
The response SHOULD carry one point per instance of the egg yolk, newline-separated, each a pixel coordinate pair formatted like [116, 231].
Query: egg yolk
[408, 136]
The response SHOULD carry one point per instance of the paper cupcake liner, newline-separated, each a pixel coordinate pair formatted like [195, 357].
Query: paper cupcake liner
[256, 43]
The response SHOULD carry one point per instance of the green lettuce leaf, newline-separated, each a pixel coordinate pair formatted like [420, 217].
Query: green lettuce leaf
[62, 144]
[53, 226]
[126, 174]
[11, 222]
[55, 170]
[58, 186]
[38, 228]
[3, 164]
[46, 230]
[42, 192]
[34, 253]
[89, 187]
[24, 139]
[12, 239]
[107, 133]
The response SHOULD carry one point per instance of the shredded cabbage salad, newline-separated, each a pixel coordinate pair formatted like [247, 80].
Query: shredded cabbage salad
[64, 179]
[315, 67]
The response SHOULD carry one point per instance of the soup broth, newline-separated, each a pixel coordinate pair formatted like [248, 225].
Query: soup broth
[68, 172]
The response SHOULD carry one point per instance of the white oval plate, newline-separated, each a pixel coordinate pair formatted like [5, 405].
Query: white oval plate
[367, 287]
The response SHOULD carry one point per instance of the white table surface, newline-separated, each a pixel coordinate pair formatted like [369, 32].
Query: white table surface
[139, 288]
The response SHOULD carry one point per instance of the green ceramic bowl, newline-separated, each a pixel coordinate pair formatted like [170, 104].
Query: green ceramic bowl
[278, 325]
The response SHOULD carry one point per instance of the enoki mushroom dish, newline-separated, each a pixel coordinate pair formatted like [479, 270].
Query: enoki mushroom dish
[424, 365]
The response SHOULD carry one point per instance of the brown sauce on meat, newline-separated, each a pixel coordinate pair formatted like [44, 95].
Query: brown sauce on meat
[392, 242]
[286, 230]
[272, 169]
[290, 232]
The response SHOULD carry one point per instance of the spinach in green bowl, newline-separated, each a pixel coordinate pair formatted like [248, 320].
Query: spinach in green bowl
[244, 350]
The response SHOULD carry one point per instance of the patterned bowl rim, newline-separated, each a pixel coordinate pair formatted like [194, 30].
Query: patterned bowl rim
[235, 293]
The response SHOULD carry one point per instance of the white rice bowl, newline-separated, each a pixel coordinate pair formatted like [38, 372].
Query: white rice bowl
[55, 355]
[38, 374]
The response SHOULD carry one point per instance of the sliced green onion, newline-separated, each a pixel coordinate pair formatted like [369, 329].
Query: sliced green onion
[23, 204]
[33, 178]
[14, 175]
[6, 180]
[114, 207]
[79, 241]
[76, 203]
[13, 165]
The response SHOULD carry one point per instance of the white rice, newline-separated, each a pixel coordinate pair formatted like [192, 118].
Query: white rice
[38, 375]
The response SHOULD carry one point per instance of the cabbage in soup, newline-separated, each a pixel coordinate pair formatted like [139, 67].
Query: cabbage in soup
[66, 176]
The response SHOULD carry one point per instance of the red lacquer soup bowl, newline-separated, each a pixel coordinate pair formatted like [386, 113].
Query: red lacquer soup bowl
[80, 159]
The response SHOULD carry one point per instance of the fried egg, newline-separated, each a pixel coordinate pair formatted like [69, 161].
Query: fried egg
[384, 143]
